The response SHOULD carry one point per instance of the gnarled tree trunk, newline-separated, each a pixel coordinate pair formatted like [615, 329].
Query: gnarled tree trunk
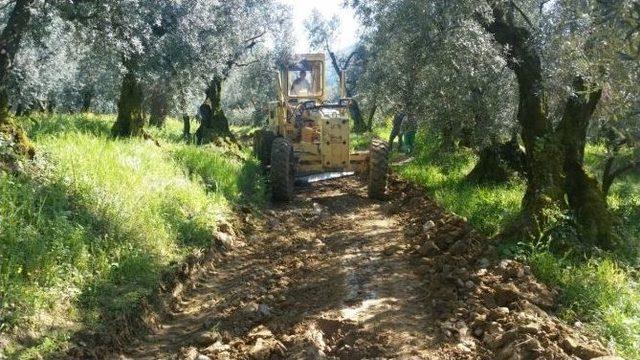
[159, 106]
[214, 123]
[20, 109]
[372, 115]
[186, 119]
[544, 185]
[130, 121]
[498, 162]
[611, 173]
[10, 40]
[87, 93]
[448, 143]
[51, 106]
[614, 169]
[583, 192]
[359, 125]
[186, 127]
[554, 157]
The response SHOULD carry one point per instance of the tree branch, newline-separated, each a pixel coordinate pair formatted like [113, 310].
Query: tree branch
[233, 61]
[348, 60]
[237, 64]
[4, 6]
[254, 38]
[334, 61]
[611, 176]
[524, 16]
[618, 172]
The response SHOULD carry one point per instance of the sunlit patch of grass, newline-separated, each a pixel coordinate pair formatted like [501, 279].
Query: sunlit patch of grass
[44, 348]
[172, 131]
[90, 235]
[597, 291]
[488, 208]
[42, 125]
[213, 169]
[362, 141]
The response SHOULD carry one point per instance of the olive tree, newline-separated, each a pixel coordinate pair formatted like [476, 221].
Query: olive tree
[13, 32]
[209, 42]
[422, 60]
[616, 49]
[322, 34]
[554, 113]
[250, 88]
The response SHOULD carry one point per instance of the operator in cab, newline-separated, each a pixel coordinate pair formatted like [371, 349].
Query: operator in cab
[300, 85]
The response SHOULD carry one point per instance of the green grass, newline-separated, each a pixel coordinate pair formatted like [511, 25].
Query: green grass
[624, 197]
[87, 237]
[362, 141]
[601, 290]
[211, 168]
[488, 208]
[598, 291]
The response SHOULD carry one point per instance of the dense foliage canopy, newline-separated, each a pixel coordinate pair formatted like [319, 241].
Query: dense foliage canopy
[73, 55]
[549, 74]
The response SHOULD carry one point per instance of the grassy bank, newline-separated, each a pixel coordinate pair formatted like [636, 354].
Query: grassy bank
[89, 234]
[488, 208]
[600, 290]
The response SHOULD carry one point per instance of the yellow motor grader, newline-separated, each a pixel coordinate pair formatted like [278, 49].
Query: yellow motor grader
[307, 138]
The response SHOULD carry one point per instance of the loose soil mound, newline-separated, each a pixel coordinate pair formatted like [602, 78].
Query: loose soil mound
[496, 307]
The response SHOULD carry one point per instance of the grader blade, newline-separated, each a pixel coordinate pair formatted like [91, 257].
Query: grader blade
[310, 179]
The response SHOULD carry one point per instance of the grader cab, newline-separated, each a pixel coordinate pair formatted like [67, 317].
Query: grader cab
[309, 138]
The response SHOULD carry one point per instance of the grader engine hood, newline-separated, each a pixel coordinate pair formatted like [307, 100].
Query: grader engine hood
[324, 113]
[329, 113]
[334, 141]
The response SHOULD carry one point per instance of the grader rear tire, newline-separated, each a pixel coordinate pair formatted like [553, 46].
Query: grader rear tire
[378, 169]
[282, 170]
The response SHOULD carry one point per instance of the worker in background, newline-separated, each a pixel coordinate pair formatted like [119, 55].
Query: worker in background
[396, 130]
[409, 129]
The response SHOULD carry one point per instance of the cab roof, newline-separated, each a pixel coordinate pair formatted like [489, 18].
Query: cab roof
[308, 57]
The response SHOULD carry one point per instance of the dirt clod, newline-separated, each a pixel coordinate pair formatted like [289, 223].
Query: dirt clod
[429, 248]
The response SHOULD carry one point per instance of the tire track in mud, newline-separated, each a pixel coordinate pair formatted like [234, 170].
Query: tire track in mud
[323, 277]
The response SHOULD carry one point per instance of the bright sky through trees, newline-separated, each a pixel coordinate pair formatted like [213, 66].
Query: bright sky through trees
[301, 11]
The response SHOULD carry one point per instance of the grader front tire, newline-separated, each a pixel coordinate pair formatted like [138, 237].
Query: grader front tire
[378, 169]
[282, 170]
[262, 142]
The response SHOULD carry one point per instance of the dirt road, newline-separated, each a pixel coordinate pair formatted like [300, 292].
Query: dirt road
[335, 275]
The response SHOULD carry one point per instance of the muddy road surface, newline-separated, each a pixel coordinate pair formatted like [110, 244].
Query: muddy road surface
[335, 275]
